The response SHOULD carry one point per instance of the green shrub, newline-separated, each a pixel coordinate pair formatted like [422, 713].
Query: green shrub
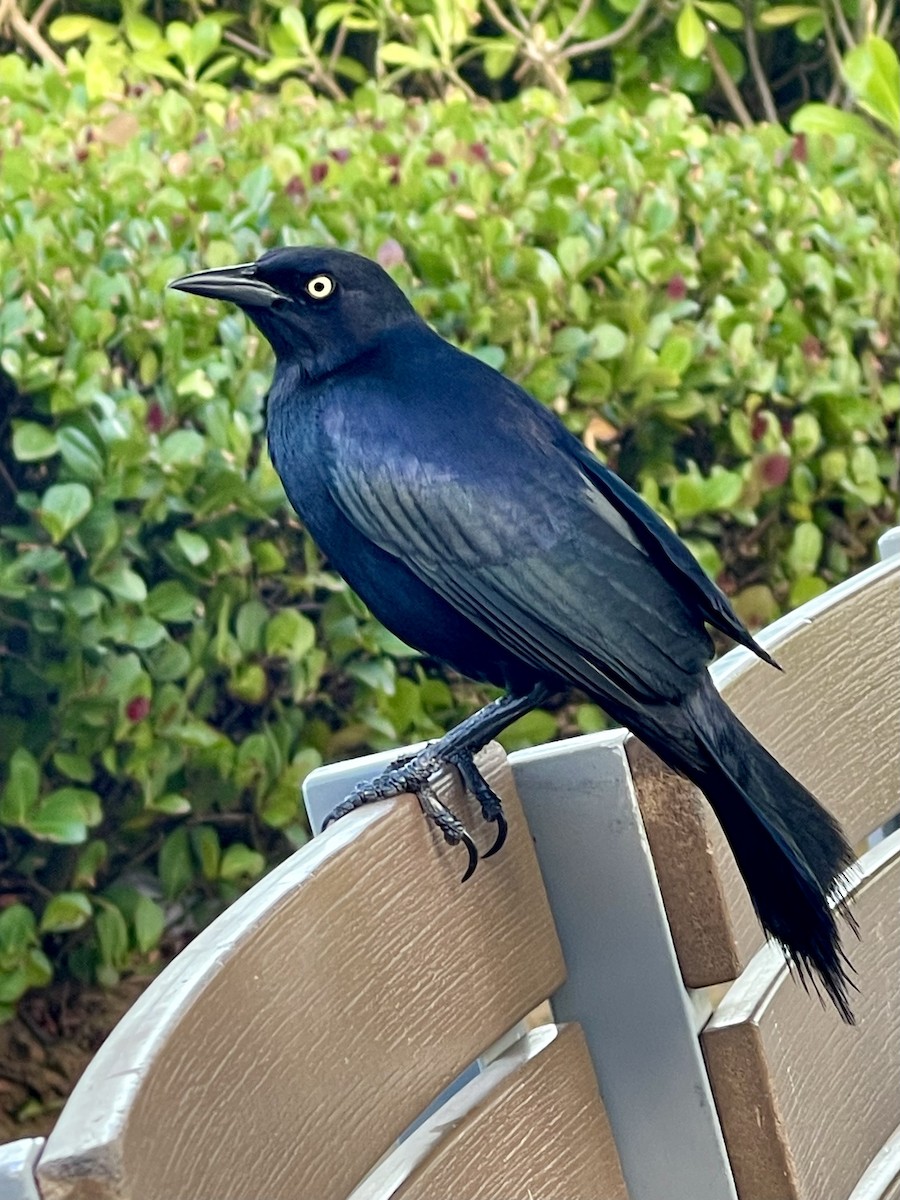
[717, 312]
[747, 61]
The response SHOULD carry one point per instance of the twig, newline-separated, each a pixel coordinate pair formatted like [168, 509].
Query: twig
[759, 77]
[32, 38]
[40, 13]
[726, 83]
[503, 21]
[337, 49]
[574, 25]
[887, 16]
[846, 31]
[235, 39]
[834, 50]
[612, 38]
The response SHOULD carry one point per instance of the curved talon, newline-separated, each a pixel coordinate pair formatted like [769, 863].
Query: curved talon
[502, 830]
[473, 855]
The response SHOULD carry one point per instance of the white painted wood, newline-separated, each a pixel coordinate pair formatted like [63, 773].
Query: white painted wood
[882, 1173]
[624, 986]
[326, 787]
[384, 1179]
[17, 1161]
[889, 543]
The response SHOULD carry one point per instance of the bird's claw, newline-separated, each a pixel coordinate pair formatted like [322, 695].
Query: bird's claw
[450, 826]
[411, 773]
[491, 804]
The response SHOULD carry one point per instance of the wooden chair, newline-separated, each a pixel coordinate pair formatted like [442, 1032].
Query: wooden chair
[289, 1049]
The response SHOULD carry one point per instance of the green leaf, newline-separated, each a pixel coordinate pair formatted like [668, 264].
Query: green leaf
[290, 635]
[80, 454]
[149, 922]
[240, 861]
[398, 54]
[785, 14]
[22, 785]
[182, 447]
[205, 842]
[13, 984]
[293, 21]
[112, 937]
[729, 16]
[573, 254]
[608, 341]
[805, 549]
[91, 859]
[33, 442]
[194, 548]
[175, 867]
[823, 119]
[18, 931]
[171, 601]
[65, 911]
[63, 505]
[873, 72]
[65, 816]
[690, 32]
[70, 28]
[121, 581]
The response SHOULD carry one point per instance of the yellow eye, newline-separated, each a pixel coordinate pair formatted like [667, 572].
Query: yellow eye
[320, 287]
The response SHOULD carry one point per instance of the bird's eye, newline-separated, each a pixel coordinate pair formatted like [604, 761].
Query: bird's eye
[320, 287]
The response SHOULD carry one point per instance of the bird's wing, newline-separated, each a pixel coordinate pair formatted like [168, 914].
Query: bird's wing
[531, 553]
[669, 553]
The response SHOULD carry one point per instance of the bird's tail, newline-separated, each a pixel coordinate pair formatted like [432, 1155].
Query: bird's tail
[790, 851]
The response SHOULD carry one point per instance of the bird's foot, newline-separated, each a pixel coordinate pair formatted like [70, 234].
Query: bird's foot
[411, 773]
[476, 784]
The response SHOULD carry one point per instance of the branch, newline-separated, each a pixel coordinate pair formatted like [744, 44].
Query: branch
[40, 13]
[887, 16]
[726, 83]
[28, 34]
[575, 24]
[610, 39]
[502, 20]
[759, 77]
[846, 32]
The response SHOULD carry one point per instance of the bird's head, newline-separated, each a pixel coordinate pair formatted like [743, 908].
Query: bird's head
[319, 308]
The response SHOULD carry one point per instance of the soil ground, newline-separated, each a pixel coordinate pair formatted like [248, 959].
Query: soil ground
[45, 1048]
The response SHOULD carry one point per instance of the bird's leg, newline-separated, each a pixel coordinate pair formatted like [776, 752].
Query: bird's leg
[456, 748]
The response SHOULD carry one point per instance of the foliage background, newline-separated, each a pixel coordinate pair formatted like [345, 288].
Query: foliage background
[713, 309]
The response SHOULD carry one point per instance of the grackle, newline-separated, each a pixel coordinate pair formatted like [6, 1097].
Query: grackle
[480, 531]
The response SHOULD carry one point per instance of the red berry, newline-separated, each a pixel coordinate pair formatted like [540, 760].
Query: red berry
[137, 709]
[318, 171]
[758, 426]
[676, 288]
[774, 469]
[156, 418]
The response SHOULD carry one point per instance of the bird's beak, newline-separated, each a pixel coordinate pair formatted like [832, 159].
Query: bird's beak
[236, 284]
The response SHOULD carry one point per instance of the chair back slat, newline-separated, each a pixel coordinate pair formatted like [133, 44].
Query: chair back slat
[838, 696]
[806, 1102]
[532, 1124]
[288, 1046]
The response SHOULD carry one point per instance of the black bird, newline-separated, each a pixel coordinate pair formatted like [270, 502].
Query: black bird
[480, 531]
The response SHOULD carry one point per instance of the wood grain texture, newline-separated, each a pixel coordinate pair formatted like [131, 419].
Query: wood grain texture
[832, 718]
[806, 1103]
[532, 1126]
[286, 1048]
